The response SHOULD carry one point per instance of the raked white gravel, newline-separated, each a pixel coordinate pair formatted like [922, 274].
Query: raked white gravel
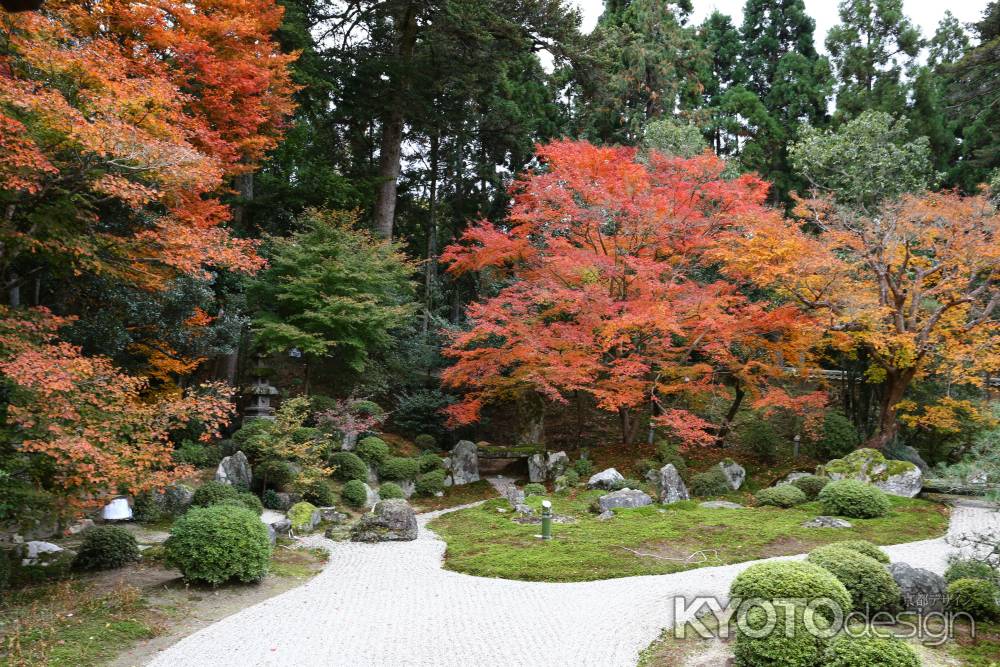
[391, 604]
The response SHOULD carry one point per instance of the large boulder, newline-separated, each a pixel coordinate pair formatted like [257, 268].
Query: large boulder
[720, 505]
[628, 498]
[235, 470]
[605, 479]
[672, 488]
[44, 554]
[734, 472]
[371, 497]
[116, 510]
[464, 462]
[898, 478]
[390, 521]
[536, 468]
[515, 496]
[557, 464]
[923, 591]
[174, 499]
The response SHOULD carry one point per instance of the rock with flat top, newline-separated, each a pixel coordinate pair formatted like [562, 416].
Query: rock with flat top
[625, 498]
[605, 479]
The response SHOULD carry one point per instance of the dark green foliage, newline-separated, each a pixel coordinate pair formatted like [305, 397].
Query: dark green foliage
[399, 468]
[430, 483]
[783, 495]
[869, 651]
[534, 489]
[425, 441]
[428, 462]
[667, 453]
[789, 644]
[354, 493]
[372, 451]
[145, 509]
[302, 516]
[811, 485]
[270, 499]
[975, 597]
[851, 498]
[712, 482]
[250, 501]
[274, 473]
[583, 467]
[868, 582]
[626, 483]
[864, 547]
[213, 493]
[348, 466]
[197, 454]
[967, 568]
[390, 490]
[254, 439]
[106, 548]
[761, 437]
[319, 493]
[839, 437]
[5, 569]
[776, 580]
[418, 413]
[216, 544]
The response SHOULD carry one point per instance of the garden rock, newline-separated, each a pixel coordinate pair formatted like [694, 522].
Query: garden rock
[281, 527]
[408, 486]
[515, 496]
[557, 464]
[672, 488]
[523, 509]
[286, 500]
[826, 522]
[536, 468]
[898, 478]
[43, 554]
[80, 526]
[720, 505]
[734, 472]
[922, 590]
[235, 470]
[117, 510]
[627, 498]
[349, 442]
[328, 513]
[792, 476]
[390, 521]
[605, 479]
[605, 515]
[464, 462]
[372, 476]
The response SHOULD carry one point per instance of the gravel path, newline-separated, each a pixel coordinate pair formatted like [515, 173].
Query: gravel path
[392, 605]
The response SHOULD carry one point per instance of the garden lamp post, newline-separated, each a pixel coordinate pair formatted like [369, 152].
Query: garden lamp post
[546, 520]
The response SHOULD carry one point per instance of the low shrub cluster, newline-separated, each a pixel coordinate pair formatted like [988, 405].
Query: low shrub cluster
[219, 543]
[425, 441]
[197, 454]
[710, 483]
[534, 489]
[398, 468]
[389, 490]
[318, 492]
[348, 466]
[145, 509]
[271, 500]
[869, 651]
[373, 451]
[783, 495]
[428, 462]
[778, 580]
[583, 467]
[354, 493]
[218, 493]
[811, 485]
[975, 597]
[430, 483]
[869, 583]
[789, 644]
[5, 569]
[967, 568]
[666, 452]
[851, 498]
[106, 548]
[301, 515]
[864, 547]
[273, 474]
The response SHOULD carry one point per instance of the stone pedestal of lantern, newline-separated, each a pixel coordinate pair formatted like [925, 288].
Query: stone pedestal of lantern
[260, 392]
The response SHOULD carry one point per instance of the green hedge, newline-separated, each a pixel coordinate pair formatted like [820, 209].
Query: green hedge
[398, 468]
[864, 547]
[219, 543]
[867, 651]
[868, 582]
[430, 483]
[975, 597]
[789, 644]
[219, 493]
[534, 489]
[783, 495]
[776, 580]
[851, 498]
[428, 462]
[966, 568]
[300, 514]
[106, 548]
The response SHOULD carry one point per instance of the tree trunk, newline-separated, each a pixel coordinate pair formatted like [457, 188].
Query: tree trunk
[430, 270]
[727, 423]
[888, 426]
[531, 419]
[391, 144]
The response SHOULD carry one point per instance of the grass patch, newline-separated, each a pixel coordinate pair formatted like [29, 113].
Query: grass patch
[68, 623]
[454, 496]
[297, 563]
[484, 542]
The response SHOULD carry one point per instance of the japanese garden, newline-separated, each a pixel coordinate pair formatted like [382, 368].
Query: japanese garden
[499, 332]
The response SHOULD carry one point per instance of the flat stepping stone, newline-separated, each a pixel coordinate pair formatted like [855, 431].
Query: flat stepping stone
[720, 505]
[826, 522]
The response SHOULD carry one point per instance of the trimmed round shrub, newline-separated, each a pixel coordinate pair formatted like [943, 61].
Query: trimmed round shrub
[583, 467]
[780, 580]
[967, 568]
[213, 493]
[390, 490]
[250, 501]
[783, 495]
[868, 582]
[869, 651]
[372, 451]
[425, 441]
[319, 493]
[349, 466]
[270, 499]
[428, 462]
[106, 548]
[789, 644]
[851, 498]
[301, 515]
[534, 489]
[811, 485]
[219, 543]
[354, 493]
[864, 547]
[274, 474]
[712, 482]
[975, 597]
[398, 468]
[430, 483]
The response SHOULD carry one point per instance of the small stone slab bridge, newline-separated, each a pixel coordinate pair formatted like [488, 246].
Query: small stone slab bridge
[489, 451]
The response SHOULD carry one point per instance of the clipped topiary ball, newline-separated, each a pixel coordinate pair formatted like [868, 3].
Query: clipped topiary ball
[868, 582]
[251, 502]
[398, 468]
[798, 639]
[780, 580]
[349, 466]
[219, 543]
[390, 490]
[966, 568]
[534, 489]
[106, 548]
[428, 462]
[713, 482]
[354, 493]
[811, 485]
[425, 441]
[864, 547]
[868, 651]
[372, 451]
[851, 498]
[975, 597]
[783, 495]
[302, 515]
[213, 493]
[430, 483]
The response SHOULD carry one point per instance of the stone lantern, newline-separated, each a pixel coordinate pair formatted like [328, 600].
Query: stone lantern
[260, 393]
